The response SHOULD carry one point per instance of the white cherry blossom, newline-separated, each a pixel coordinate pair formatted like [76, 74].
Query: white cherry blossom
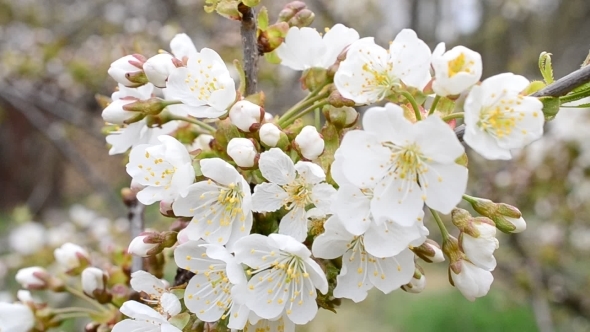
[455, 70]
[293, 187]
[310, 143]
[370, 72]
[284, 277]
[213, 293]
[16, 317]
[114, 112]
[361, 270]
[142, 318]
[498, 118]
[405, 164]
[221, 206]
[470, 280]
[242, 151]
[204, 86]
[157, 292]
[305, 48]
[164, 169]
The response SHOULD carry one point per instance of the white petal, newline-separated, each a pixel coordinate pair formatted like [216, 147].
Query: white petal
[388, 274]
[303, 308]
[411, 58]
[142, 281]
[276, 166]
[294, 224]
[322, 196]
[302, 48]
[333, 242]
[219, 171]
[388, 124]
[445, 148]
[390, 238]
[252, 249]
[444, 186]
[203, 294]
[398, 200]
[310, 172]
[135, 325]
[268, 197]
[485, 145]
[353, 208]
[363, 158]
[141, 312]
[268, 293]
[353, 281]
[192, 256]
[170, 304]
[182, 46]
[335, 40]
[472, 281]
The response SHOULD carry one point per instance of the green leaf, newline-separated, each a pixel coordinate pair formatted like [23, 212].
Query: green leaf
[576, 95]
[546, 67]
[240, 69]
[587, 105]
[550, 107]
[251, 3]
[263, 18]
[180, 320]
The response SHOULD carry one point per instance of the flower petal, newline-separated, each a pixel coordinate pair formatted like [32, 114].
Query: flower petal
[277, 167]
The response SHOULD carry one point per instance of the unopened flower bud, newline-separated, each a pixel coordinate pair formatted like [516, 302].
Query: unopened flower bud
[242, 151]
[246, 116]
[128, 71]
[24, 296]
[303, 18]
[116, 113]
[341, 117]
[152, 106]
[268, 117]
[335, 99]
[166, 208]
[418, 282]
[461, 218]
[290, 9]
[470, 280]
[271, 136]
[33, 278]
[139, 247]
[158, 68]
[508, 219]
[429, 251]
[201, 143]
[94, 281]
[72, 258]
[309, 143]
[478, 242]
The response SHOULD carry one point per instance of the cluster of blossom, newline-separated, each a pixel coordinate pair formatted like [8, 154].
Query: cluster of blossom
[276, 210]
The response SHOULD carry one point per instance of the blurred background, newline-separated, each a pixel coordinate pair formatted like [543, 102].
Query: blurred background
[58, 184]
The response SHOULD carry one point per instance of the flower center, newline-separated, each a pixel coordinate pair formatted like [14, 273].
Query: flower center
[156, 171]
[298, 194]
[407, 160]
[230, 198]
[458, 65]
[500, 119]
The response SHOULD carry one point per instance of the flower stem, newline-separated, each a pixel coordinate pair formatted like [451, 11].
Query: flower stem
[443, 230]
[317, 119]
[70, 310]
[469, 199]
[292, 119]
[208, 128]
[72, 315]
[82, 296]
[305, 102]
[415, 106]
[458, 115]
[434, 104]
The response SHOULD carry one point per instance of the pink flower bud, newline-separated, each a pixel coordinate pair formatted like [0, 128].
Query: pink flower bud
[71, 257]
[242, 151]
[158, 68]
[246, 115]
[310, 143]
[128, 70]
[139, 247]
[33, 277]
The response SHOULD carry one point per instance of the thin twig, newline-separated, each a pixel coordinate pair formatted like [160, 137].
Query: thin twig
[250, 47]
[566, 84]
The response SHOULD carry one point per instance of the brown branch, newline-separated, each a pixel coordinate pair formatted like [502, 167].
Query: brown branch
[250, 47]
[566, 84]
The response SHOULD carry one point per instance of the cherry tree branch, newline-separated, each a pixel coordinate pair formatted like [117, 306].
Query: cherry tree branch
[250, 47]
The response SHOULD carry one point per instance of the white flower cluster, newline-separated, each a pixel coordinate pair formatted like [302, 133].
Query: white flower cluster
[278, 217]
